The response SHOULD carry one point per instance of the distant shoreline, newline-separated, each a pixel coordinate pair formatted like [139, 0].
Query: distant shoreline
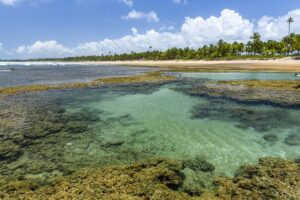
[275, 65]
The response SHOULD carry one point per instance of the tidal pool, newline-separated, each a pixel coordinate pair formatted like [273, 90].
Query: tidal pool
[57, 132]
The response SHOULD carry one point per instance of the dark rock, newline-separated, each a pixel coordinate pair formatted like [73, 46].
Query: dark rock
[271, 137]
[199, 164]
[293, 140]
[262, 120]
[76, 127]
[113, 144]
[9, 150]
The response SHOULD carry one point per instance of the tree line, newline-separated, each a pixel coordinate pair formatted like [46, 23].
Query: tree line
[254, 48]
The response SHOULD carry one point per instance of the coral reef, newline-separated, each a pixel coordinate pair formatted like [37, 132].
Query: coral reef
[149, 180]
[149, 77]
[284, 93]
[162, 179]
[293, 138]
[270, 179]
[262, 120]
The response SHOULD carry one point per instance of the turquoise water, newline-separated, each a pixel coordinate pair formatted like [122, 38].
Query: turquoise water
[172, 132]
[59, 132]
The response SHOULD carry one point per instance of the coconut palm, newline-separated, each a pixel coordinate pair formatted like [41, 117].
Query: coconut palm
[289, 21]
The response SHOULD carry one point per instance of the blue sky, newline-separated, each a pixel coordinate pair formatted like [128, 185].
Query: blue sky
[76, 27]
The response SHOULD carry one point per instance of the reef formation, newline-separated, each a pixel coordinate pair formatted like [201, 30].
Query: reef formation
[149, 77]
[165, 179]
[284, 93]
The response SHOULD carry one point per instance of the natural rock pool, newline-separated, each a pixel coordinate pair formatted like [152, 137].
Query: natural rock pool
[54, 133]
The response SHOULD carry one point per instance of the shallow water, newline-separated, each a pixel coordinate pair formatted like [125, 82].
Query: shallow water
[61, 73]
[59, 132]
[242, 76]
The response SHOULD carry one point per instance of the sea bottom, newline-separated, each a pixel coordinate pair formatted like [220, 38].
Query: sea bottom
[55, 133]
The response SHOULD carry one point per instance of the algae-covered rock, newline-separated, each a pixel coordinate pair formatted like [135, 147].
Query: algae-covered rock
[198, 175]
[149, 180]
[161, 179]
[9, 150]
[283, 93]
[271, 137]
[293, 139]
[76, 127]
[199, 164]
[270, 179]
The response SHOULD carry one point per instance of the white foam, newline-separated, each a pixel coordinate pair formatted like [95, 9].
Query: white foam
[20, 63]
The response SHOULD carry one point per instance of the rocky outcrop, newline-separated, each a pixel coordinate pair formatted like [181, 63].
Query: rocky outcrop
[270, 179]
[162, 179]
[252, 91]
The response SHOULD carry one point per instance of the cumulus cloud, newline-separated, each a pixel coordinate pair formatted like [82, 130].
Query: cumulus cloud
[230, 26]
[276, 28]
[127, 2]
[44, 49]
[195, 32]
[151, 16]
[9, 2]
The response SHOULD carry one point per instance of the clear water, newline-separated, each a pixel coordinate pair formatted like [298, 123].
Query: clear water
[166, 114]
[124, 124]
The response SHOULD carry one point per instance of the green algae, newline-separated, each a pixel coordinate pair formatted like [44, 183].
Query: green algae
[9, 150]
[292, 85]
[149, 77]
[61, 134]
[283, 93]
[163, 179]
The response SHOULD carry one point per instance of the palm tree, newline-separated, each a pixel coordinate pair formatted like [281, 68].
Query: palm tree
[289, 21]
[256, 43]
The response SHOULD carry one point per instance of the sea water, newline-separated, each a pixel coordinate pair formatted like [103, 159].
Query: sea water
[122, 124]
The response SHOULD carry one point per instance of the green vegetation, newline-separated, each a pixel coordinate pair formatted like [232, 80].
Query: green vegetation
[149, 77]
[254, 49]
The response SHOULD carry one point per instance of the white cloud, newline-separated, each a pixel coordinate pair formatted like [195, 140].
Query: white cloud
[1, 46]
[43, 49]
[134, 31]
[9, 2]
[276, 28]
[151, 16]
[230, 26]
[194, 33]
[15, 2]
[180, 1]
[127, 2]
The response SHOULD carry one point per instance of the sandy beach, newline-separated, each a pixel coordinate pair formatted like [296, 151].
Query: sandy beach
[279, 65]
[276, 65]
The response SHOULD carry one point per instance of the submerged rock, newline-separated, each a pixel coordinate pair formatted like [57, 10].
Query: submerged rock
[293, 140]
[271, 137]
[261, 119]
[199, 164]
[9, 150]
[76, 127]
